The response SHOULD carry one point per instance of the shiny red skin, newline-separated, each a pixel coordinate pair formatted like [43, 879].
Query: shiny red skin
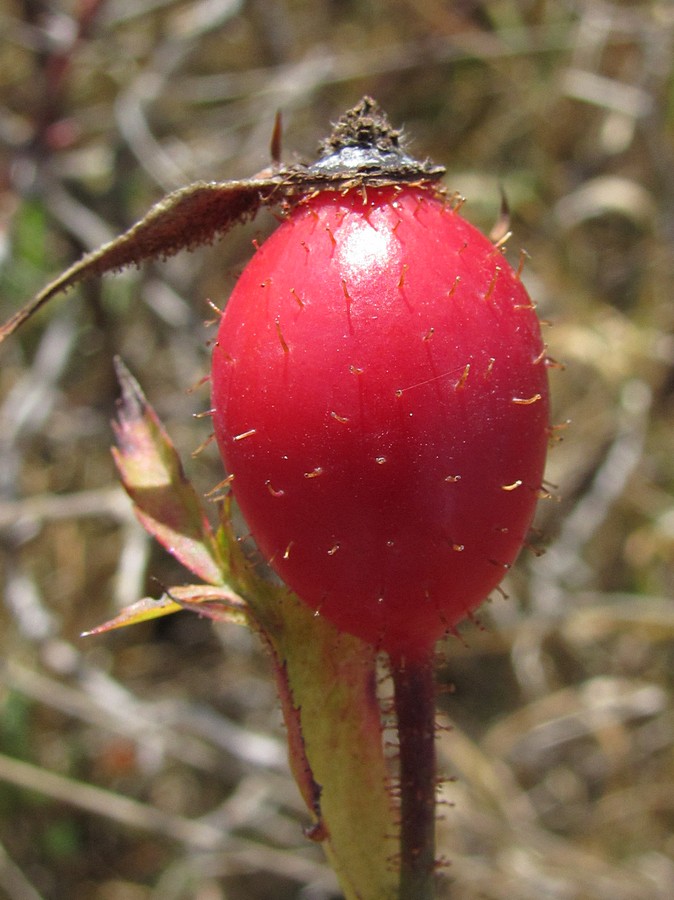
[380, 396]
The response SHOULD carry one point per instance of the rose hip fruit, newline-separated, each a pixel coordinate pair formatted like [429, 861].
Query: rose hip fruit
[380, 397]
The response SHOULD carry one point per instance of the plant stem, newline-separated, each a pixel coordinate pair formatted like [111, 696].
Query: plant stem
[414, 684]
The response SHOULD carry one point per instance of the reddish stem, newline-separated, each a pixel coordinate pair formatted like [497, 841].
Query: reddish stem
[415, 709]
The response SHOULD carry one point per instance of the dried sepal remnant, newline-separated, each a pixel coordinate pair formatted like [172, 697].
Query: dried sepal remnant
[199, 213]
[365, 150]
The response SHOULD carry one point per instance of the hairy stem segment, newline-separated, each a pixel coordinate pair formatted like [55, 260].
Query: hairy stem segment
[414, 684]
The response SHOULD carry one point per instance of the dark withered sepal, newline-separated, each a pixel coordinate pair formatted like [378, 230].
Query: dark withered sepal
[364, 148]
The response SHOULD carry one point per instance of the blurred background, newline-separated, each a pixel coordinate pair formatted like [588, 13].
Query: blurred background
[149, 764]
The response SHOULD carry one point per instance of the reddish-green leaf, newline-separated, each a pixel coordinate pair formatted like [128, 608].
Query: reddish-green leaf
[164, 500]
[214, 602]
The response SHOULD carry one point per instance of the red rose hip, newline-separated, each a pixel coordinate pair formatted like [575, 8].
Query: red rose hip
[380, 398]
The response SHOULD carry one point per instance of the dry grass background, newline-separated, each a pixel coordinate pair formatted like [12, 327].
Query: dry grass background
[150, 764]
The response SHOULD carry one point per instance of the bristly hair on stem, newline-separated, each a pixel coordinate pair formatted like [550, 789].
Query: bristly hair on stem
[414, 698]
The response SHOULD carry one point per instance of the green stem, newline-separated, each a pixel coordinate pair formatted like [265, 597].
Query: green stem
[414, 684]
